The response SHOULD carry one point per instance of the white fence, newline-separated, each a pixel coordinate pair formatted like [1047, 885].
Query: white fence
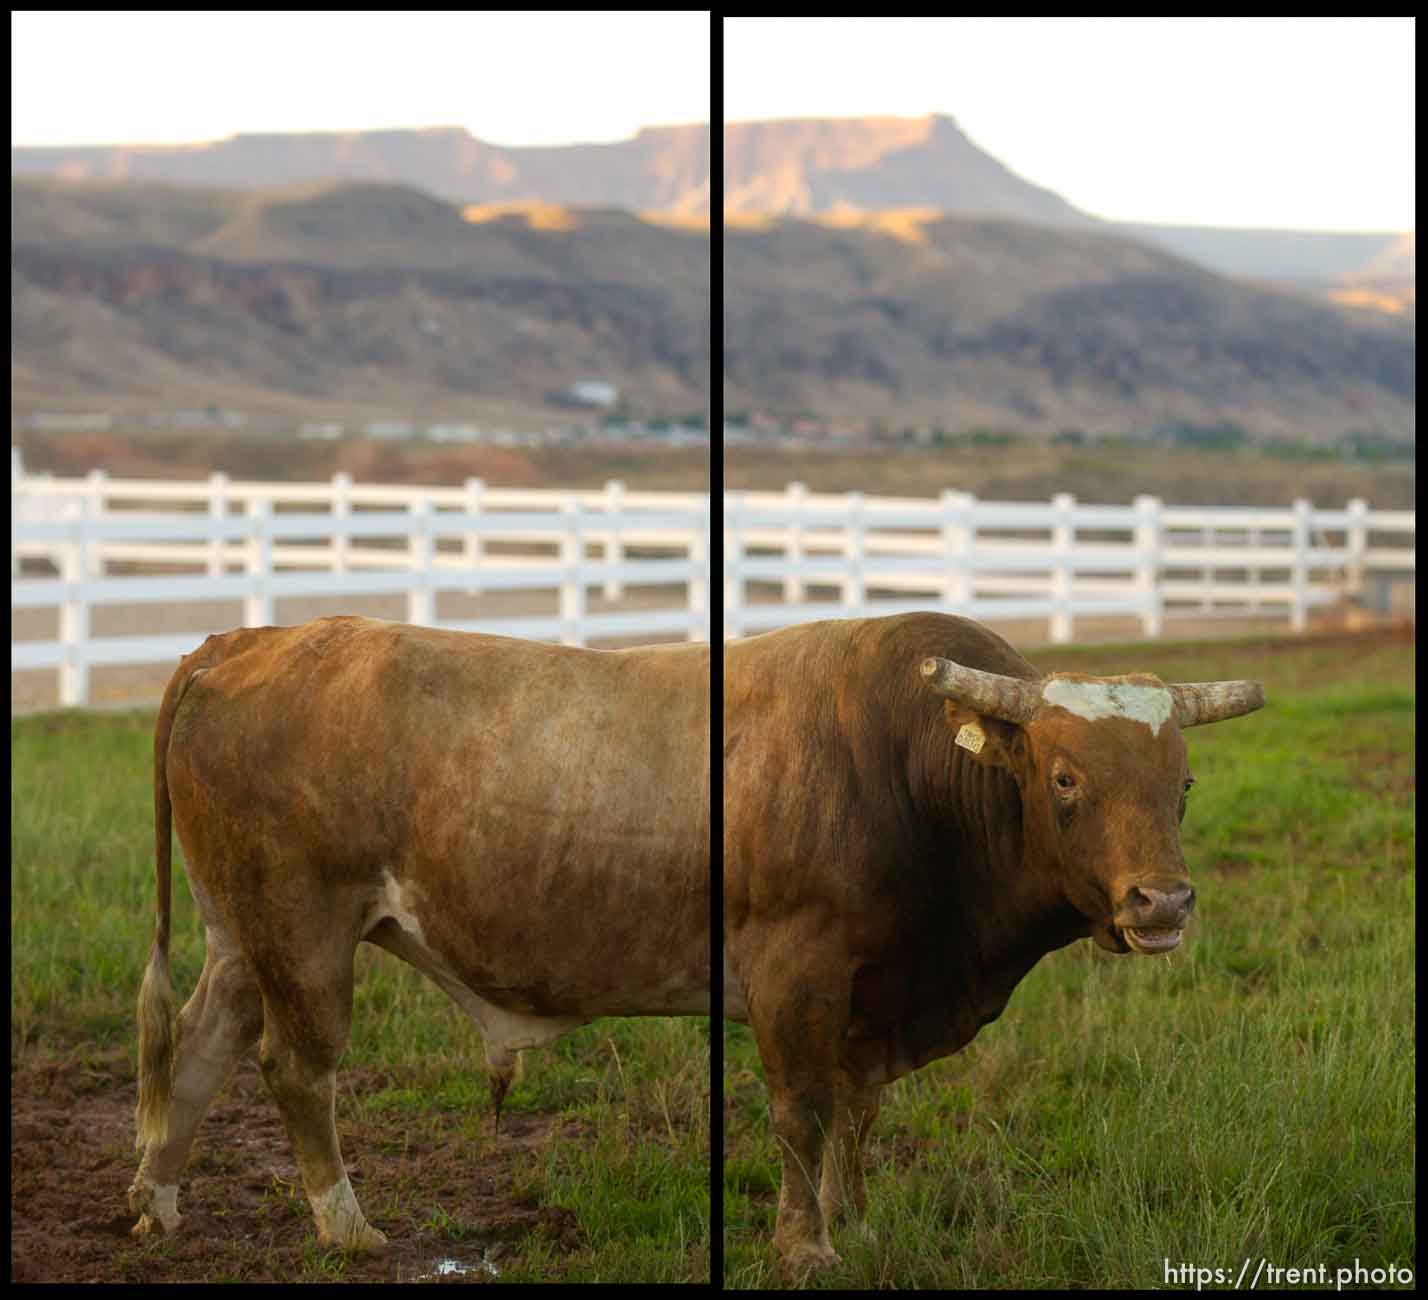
[257, 542]
[789, 557]
[1059, 561]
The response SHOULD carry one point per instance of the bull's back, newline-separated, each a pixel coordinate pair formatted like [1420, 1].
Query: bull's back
[514, 797]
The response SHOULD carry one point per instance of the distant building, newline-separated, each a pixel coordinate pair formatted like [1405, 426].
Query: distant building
[593, 392]
[389, 429]
[320, 429]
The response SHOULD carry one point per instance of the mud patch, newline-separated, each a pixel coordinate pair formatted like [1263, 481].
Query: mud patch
[442, 1199]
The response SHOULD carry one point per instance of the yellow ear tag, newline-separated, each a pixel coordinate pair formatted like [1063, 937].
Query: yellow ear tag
[972, 737]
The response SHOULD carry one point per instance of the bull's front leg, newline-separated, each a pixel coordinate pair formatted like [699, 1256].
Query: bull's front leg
[798, 1020]
[840, 1191]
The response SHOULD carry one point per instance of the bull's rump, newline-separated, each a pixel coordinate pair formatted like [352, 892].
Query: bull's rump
[540, 812]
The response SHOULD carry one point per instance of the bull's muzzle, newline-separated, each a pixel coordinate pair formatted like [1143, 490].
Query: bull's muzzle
[1151, 917]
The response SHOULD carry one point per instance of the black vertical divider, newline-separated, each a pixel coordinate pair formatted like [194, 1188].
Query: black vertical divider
[716, 656]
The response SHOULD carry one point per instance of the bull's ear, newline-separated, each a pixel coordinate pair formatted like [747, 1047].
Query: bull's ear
[987, 740]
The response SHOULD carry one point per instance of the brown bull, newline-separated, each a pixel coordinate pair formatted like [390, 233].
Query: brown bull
[528, 825]
[913, 817]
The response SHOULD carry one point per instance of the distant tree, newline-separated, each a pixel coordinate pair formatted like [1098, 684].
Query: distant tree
[1203, 437]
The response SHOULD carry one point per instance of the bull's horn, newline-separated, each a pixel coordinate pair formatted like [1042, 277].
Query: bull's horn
[1197, 703]
[990, 694]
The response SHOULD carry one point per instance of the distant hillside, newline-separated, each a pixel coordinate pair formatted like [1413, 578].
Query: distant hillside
[662, 169]
[955, 322]
[1362, 269]
[347, 299]
[343, 300]
[797, 167]
[1387, 282]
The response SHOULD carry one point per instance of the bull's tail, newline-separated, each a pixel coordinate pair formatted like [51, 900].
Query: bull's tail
[158, 1038]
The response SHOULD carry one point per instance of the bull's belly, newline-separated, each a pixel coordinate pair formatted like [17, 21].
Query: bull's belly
[541, 971]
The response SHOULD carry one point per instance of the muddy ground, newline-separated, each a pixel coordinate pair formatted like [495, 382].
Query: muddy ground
[245, 1216]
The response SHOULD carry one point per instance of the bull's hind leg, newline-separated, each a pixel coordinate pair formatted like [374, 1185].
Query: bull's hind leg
[217, 1025]
[307, 1015]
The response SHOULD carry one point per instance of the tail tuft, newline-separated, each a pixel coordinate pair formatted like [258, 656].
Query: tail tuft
[157, 1042]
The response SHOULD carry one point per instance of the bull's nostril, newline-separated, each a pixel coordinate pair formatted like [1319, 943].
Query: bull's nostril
[1151, 906]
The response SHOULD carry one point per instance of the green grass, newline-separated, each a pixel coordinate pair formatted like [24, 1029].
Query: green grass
[629, 1155]
[1249, 1098]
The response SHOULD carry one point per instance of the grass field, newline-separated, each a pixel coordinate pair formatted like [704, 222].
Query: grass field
[1248, 1098]
[604, 1171]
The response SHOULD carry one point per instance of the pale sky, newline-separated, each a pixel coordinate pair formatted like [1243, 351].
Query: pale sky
[1298, 122]
[1305, 123]
[509, 78]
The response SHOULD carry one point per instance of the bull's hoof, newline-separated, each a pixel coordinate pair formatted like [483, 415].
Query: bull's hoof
[149, 1226]
[362, 1239]
[799, 1260]
[157, 1208]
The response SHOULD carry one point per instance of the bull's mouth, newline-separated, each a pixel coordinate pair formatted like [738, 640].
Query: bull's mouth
[1150, 939]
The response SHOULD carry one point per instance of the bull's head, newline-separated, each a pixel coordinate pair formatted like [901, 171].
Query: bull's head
[1102, 770]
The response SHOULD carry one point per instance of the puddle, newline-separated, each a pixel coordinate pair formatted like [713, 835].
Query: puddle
[457, 1268]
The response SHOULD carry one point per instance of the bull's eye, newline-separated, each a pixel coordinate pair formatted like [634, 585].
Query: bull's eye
[1065, 782]
[1188, 784]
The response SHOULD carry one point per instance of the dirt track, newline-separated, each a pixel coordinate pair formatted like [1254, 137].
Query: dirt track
[245, 1216]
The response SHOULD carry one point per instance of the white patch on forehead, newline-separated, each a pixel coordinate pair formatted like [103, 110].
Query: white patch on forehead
[1151, 705]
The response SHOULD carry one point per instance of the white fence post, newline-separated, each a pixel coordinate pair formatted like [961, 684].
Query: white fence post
[1299, 611]
[733, 563]
[341, 509]
[794, 590]
[1063, 542]
[699, 626]
[258, 603]
[471, 543]
[217, 509]
[93, 508]
[572, 585]
[1356, 546]
[421, 600]
[855, 586]
[74, 614]
[957, 533]
[1147, 543]
[614, 543]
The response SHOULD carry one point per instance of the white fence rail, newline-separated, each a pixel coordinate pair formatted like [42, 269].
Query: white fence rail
[257, 542]
[1058, 561]
[789, 557]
